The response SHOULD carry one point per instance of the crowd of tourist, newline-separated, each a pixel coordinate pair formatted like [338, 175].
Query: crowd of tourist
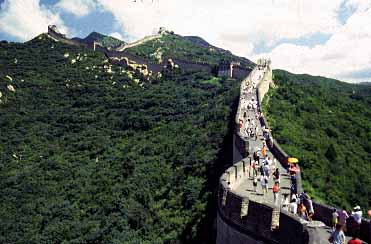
[263, 168]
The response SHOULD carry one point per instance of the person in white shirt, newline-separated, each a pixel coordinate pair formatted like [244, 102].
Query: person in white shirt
[293, 206]
[357, 214]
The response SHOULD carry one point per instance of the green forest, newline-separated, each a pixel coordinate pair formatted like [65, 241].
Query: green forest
[327, 125]
[90, 156]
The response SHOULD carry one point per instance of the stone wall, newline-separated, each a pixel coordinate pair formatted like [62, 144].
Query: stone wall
[58, 36]
[241, 220]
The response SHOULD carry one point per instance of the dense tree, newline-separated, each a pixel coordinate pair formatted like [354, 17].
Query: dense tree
[327, 125]
[89, 156]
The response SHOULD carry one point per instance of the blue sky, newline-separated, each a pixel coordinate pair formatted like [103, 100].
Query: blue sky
[328, 38]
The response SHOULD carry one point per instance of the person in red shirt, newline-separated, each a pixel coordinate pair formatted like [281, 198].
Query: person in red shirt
[355, 240]
[275, 189]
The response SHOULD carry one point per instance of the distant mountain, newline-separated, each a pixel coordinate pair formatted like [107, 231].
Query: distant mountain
[190, 48]
[106, 41]
[200, 42]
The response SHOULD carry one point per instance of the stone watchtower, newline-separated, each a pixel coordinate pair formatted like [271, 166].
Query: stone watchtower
[226, 69]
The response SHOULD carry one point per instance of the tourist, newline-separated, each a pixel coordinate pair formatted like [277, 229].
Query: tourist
[261, 169]
[264, 150]
[275, 190]
[256, 156]
[256, 132]
[254, 168]
[343, 215]
[354, 240]
[302, 211]
[285, 202]
[293, 206]
[293, 188]
[266, 170]
[303, 197]
[276, 176]
[264, 184]
[357, 216]
[337, 236]
[334, 219]
[310, 208]
[255, 183]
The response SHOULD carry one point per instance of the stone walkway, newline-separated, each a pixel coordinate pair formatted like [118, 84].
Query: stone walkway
[245, 188]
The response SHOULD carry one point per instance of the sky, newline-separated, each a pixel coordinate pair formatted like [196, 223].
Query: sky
[331, 38]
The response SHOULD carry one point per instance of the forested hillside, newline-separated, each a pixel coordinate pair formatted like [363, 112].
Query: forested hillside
[327, 125]
[93, 156]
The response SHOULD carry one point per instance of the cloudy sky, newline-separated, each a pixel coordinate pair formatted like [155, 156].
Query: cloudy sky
[320, 37]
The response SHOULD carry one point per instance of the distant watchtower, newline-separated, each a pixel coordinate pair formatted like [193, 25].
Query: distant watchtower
[263, 63]
[226, 69]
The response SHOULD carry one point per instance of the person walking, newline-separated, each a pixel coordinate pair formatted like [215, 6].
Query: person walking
[264, 150]
[310, 209]
[255, 183]
[357, 216]
[255, 168]
[266, 170]
[264, 184]
[337, 236]
[293, 206]
[275, 190]
[335, 217]
[276, 176]
[343, 215]
[256, 156]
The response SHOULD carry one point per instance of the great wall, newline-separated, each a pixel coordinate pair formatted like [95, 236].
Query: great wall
[121, 56]
[243, 216]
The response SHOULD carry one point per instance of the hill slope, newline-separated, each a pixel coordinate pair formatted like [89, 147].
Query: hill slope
[327, 125]
[92, 156]
[107, 41]
[194, 49]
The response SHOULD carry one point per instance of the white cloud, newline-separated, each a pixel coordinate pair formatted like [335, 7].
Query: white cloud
[79, 8]
[26, 19]
[347, 51]
[116, 35]
[237, 25]
[243, 25]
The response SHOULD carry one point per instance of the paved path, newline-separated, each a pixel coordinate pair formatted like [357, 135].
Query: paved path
[246, 188]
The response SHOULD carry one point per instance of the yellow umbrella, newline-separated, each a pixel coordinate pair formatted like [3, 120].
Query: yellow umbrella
[293, 160]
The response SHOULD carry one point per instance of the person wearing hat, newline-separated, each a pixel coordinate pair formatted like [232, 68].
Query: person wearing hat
[357, 216]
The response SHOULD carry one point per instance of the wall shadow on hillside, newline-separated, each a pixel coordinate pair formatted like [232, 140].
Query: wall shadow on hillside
[206, 232]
